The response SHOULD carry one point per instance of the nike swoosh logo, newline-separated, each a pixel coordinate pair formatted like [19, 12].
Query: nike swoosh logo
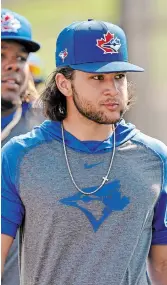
[88, 166]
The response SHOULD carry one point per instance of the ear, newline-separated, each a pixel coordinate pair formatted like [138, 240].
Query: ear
[63, 84]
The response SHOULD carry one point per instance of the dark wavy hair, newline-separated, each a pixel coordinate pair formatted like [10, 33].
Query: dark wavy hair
[54, 102]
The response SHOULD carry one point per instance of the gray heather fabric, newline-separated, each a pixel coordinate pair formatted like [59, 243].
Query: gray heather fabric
[31, 118]
[67, 240]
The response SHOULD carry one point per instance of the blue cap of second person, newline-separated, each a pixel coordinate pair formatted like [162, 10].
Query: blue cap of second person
[16, 27]
[95, 47]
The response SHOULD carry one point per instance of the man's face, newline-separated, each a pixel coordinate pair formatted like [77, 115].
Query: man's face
[13, 70]
[102, 98]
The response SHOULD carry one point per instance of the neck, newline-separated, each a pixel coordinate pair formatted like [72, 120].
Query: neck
[85, 130]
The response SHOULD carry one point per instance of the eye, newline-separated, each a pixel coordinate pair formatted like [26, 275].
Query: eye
[120, 76]
[21, 58]
[2, 55]
[98, 77]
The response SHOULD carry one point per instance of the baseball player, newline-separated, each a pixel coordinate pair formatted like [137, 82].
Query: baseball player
[17, 94]
[87, 189]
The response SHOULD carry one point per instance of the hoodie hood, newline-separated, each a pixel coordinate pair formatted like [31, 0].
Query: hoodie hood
[124, 132]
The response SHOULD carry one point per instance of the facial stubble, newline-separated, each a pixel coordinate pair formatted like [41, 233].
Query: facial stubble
[87, 110]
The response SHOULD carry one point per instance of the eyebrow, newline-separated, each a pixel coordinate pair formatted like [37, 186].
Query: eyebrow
[4, 47]
[96, 74]
[22, 49]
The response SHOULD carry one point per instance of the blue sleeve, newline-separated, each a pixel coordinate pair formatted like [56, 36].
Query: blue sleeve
[12, 208]
[159, 224]
[159, 234]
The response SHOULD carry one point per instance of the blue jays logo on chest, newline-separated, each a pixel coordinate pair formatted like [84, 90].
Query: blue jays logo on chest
[99, 206]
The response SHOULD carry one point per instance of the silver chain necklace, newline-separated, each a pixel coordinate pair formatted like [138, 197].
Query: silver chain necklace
[104, 179]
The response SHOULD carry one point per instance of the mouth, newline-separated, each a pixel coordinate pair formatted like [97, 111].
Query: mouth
[112, 106]
[11, 83]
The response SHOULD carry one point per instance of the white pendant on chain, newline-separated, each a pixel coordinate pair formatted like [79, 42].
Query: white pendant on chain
[105, 179]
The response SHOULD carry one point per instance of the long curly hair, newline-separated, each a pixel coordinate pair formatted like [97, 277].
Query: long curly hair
[53, 101]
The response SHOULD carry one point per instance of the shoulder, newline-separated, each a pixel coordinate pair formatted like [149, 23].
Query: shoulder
[157, 147]
[18, 146]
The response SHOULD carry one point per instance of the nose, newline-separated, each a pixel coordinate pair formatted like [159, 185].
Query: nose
[111, 88]
[13, 66]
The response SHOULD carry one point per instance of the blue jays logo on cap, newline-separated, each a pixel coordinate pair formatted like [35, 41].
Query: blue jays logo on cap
[9, 23]
[17, 28]
[95, 47]
[109, 44]
[63, 54]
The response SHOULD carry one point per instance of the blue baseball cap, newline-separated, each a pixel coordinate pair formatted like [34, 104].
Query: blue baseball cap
[95, 47]
[17, 28]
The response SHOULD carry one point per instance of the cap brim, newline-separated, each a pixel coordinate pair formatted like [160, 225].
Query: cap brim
[31, 46]
[107, 67]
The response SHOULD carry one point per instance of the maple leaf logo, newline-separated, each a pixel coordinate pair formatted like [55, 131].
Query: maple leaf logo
[109, 44]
